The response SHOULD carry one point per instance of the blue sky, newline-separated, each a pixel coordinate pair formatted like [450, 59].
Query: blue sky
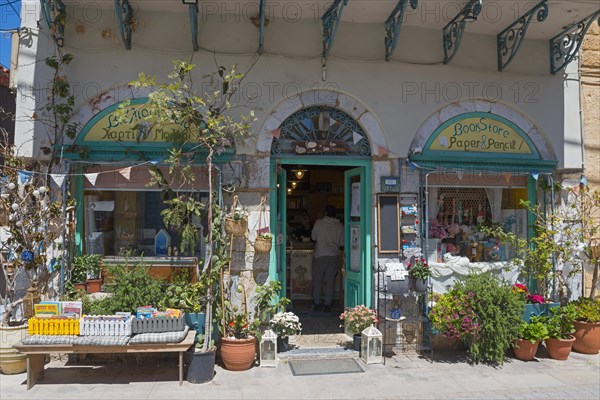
[9, 19]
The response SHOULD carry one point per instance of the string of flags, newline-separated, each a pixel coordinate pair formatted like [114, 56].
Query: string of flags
[24, 176]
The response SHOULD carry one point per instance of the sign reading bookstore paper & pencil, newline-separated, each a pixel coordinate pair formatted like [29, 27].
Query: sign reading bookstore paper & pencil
[479, 134]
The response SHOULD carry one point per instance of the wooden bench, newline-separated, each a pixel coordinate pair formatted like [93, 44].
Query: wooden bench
[36, 354]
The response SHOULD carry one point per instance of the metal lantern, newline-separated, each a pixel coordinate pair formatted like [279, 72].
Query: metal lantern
[268, 349]
[31, 298]
[372, 346]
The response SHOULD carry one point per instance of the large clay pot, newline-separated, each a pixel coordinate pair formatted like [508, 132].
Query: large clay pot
[11, 361]
[238, 354]
[587, 337]
[559, 349]
[525, 350]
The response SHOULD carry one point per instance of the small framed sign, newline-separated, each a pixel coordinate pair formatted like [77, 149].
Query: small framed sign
[390, 184]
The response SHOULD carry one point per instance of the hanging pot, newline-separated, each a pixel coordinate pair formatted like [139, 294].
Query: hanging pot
[236, 227]
[262, 245]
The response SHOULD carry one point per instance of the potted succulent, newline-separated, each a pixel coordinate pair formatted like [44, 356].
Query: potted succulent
[236, 222]
[531, 334]
[587, 325]
[355, 320]
[263, 243]
[560, 331]
[285, 324]
[418, 272]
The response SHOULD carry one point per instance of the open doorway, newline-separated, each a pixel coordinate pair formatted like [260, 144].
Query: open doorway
[309, 189]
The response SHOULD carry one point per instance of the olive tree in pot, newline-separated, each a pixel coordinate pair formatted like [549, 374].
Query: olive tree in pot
[201, 128]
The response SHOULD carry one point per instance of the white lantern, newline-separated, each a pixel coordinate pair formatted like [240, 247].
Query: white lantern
[371, 351]
[268, 349]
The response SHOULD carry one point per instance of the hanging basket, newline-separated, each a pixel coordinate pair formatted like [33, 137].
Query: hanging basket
[236, 227]
[262, 245]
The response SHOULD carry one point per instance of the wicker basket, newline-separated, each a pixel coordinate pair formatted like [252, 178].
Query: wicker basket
[236, 227]
[262, 245]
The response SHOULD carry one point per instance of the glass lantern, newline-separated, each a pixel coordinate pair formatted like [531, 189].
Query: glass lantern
[268, 349]
[372, 346]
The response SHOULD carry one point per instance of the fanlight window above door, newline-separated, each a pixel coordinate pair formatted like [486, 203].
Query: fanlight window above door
[321, 130]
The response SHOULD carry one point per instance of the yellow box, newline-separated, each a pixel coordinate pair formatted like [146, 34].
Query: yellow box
[52, 326]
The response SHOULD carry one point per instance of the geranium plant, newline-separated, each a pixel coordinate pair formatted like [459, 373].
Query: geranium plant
[534, 330]
[419, 269]
[266, 236]
[531, 298]
[238, 213]
[454, 316]
[285, 324]
[358, 318]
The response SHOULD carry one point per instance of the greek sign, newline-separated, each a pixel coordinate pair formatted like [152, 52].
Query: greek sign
[136, 124]
[481, 133]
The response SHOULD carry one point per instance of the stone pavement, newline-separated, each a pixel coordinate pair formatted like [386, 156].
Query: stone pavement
[404, 376]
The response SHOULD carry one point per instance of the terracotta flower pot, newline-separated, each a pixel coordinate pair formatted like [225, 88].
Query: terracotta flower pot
[94, 285]
[238, 354]
[525, 350]
[559, 349]
[587, 337]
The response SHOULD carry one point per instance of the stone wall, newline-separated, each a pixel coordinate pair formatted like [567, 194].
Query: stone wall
[590, 83]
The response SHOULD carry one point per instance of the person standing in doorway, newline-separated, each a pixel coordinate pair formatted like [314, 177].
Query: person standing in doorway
[328, 233]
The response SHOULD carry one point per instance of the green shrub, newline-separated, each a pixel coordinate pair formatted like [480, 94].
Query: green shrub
[587, 310]
[499, 310]
[560, 322]
[534, 330]
[93, 306]
[132, 286]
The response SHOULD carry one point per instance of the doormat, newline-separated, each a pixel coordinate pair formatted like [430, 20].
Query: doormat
[325, 366]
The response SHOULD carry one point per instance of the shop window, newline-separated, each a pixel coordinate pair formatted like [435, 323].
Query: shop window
[121, 223]
[458, 214]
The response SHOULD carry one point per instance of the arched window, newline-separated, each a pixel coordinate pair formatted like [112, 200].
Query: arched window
[321, 130]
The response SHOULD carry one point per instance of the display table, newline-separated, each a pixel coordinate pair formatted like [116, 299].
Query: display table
[36, 354]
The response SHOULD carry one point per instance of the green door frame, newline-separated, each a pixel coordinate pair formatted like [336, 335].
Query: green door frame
[277, 272]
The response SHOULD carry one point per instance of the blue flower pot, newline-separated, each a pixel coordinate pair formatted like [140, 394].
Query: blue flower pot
[536, 310]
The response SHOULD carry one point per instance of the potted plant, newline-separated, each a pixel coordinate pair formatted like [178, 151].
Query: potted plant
[418, 272]
[241, 325]
[535, 304]
[263, 243]
[78, 274]
[560, 331]
[587, 325]
[530, 335]
[285, 324]
[200, 365]
[355, 320]
[236, 222]
[92, 264]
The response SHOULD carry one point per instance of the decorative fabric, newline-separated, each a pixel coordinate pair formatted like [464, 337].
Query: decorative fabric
[162, 337]
[48, 339]
[101, 340]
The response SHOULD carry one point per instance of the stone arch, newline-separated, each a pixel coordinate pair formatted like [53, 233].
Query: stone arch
[480, 105]
[342, 101]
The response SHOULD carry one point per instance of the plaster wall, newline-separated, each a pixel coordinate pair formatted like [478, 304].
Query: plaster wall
[401, 93]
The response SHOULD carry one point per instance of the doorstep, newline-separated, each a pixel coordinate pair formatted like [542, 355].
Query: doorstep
[316, 353]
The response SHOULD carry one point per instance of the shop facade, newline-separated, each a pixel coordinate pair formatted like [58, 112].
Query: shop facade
[455, 140]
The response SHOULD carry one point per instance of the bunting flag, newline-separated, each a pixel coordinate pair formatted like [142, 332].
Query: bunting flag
[507, 176]
[126, 172]
[332, 122]
[382, 151]
[276, 132]
[583, 181]
[58, 179]
[460, 174]
[535, 175]
[24, 176]
[356, 137]
[92, 177]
